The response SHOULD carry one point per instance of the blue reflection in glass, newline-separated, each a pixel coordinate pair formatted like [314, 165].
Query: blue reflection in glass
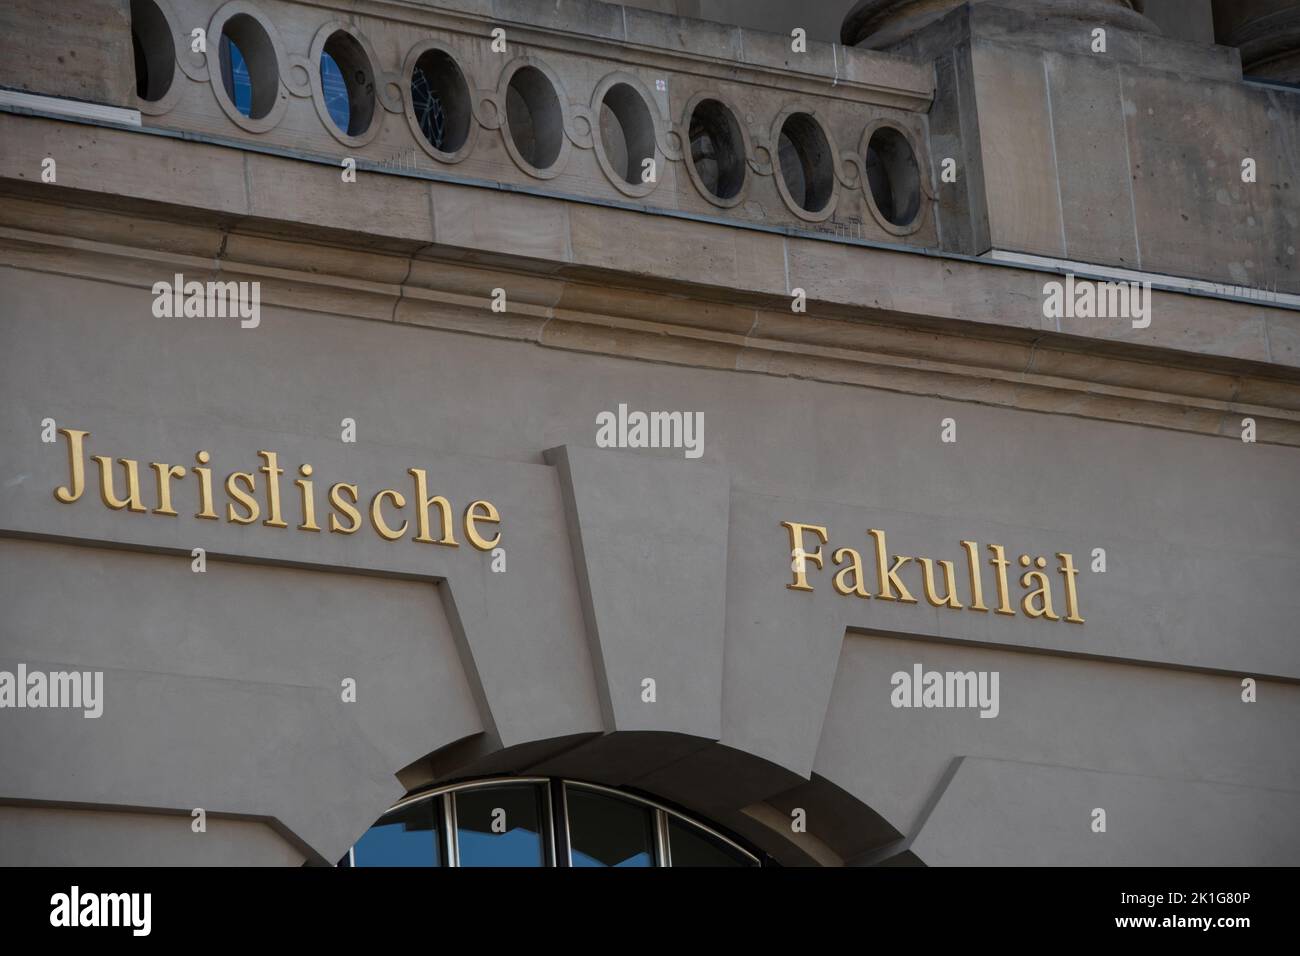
[481, 813]
[639, 859]
[405, 837]
[239, 86]
[606, 831]
[335, 89]
[512, 848]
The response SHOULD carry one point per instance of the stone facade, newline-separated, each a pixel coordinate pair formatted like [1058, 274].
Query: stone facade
[840, 258]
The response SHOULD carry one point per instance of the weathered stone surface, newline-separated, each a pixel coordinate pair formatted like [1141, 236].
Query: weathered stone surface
[80, 49]
[1074, 435]
[1092, 161]
[1017, 148]
[1196, 216]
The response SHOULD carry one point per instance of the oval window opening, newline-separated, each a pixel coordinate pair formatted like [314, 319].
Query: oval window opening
[533, 116]
[806, 163]
[347, 83]
[154, 48]
[440, 100]
[717, 149]
[893, 176]
[249, 71]
[627, 132]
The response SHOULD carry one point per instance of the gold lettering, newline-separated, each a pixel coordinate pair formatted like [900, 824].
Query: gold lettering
[849, 576]
[245, 507]
[243, 497]
[888, 580]
[273, 471]
[949, 580]
[336, 499]
[377, 514]
[800, 557]
[308, 501]
[1043, 591]
[489, 515]
[999, 560]
[1069, 571]
[422, 502]
[76, 467]
[973, 569]
[106, 491]
[165, 475]
[205, 487]
[854, 567]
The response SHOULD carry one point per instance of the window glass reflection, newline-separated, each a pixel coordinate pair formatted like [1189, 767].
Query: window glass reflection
[500, 826]
[509, 823]
[605, 831]
[234, 73]
[691, 846]
[335, 89]
[408, 836]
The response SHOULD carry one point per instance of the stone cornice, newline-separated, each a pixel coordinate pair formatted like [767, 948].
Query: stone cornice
[637, 244]
[584, 307]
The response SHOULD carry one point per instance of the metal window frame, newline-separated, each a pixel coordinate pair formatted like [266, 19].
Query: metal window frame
[444, 794]
[545, 822]
[555, 808]
[662, 815]
[406, 802]
[560, 822]
[451, 854]
[660, 827]
[661, 838]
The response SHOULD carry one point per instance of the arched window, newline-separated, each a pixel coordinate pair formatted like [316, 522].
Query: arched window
[531, 821]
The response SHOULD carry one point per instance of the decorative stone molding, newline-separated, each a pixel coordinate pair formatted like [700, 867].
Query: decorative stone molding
[575, 305]
[541, 87]
[897, 180]
[161, 25]
[820, 145]
[880, 24]
[1267, 32]
[642, 123]
[268, 62]
[580, 82]
[482, 112]
[739, 161]
[384, 85]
